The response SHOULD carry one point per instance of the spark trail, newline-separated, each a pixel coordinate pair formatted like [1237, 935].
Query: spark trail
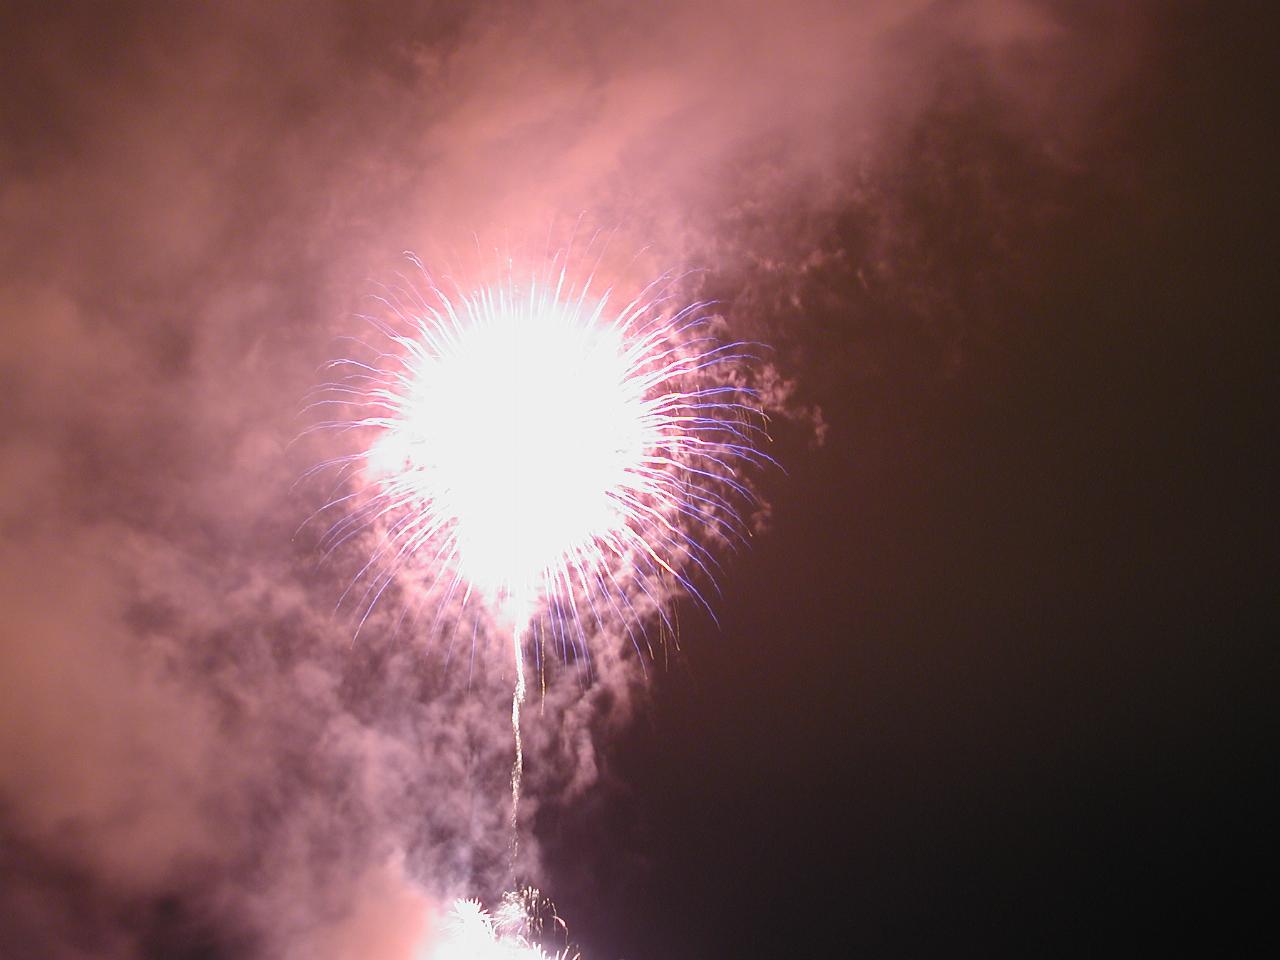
[570, 457]
[517, 767]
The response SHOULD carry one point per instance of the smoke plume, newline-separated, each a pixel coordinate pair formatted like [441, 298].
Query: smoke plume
[194, 755]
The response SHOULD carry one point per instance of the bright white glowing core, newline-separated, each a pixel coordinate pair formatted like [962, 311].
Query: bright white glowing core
[549, 447]
[472, 934]
[521, 424]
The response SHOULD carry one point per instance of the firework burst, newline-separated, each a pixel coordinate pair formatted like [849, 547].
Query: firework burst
[569, 457]
[509, 933]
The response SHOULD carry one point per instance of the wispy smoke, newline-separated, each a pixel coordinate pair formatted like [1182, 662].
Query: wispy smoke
[192, 751]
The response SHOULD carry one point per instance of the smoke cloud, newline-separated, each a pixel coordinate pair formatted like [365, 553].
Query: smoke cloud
[193, 752]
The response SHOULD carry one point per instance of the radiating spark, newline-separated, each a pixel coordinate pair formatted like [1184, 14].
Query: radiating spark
[471, 933]
[564, 457]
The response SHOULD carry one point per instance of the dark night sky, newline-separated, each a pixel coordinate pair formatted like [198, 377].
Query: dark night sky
[1017, 621]
[997, 675]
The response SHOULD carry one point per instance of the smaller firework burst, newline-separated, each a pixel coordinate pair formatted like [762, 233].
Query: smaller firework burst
[511, 932]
